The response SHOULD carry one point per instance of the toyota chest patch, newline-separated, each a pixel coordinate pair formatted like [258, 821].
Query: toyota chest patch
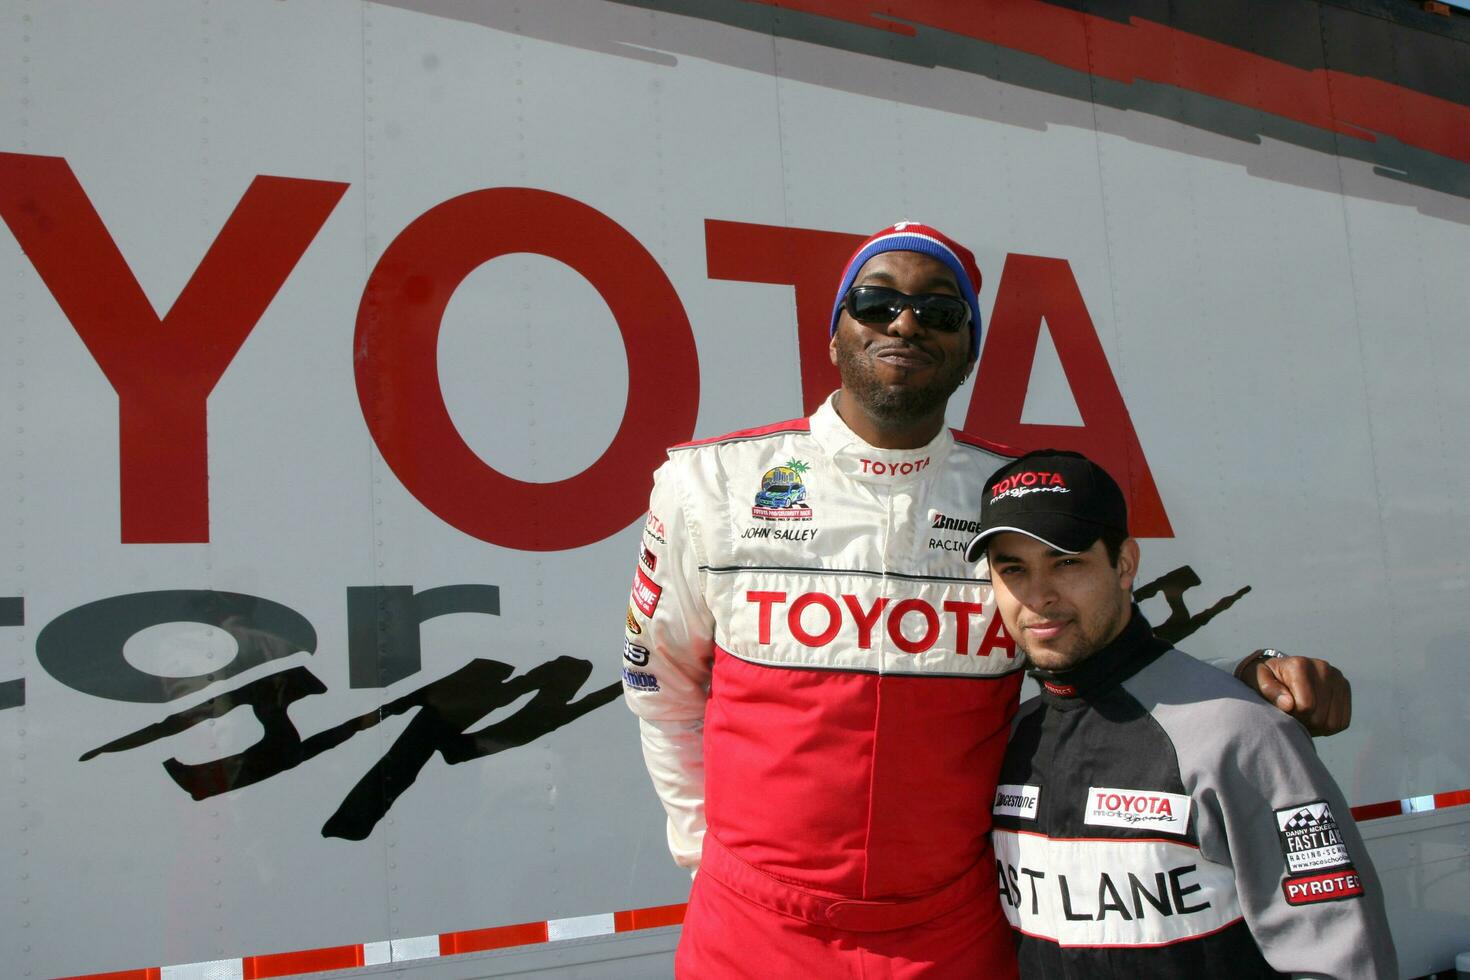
[1310, 839]
[1141, 809]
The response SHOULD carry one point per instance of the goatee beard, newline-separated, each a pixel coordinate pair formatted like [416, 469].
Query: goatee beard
[895, 406]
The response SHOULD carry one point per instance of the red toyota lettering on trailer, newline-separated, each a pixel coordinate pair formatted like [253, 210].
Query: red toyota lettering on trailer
[1032, 287]
[398, 370]
[163, 441]
[914, 612]
[162, 368]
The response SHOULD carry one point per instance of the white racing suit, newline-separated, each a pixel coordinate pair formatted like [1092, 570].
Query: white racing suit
[824, 693]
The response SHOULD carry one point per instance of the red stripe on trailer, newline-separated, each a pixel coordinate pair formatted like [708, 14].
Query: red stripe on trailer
[1329, 99]
[662, 915]
[307, 961]
[496, 937]
[1458, 797]
[1373, 811]
[1414, 804]
[301, 961]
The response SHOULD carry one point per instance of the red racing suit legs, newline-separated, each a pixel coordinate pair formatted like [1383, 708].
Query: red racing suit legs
[731, 937]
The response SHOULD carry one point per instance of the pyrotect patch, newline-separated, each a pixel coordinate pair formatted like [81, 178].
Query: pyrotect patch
[1310, 839]
[1331, 886]
[633, 626]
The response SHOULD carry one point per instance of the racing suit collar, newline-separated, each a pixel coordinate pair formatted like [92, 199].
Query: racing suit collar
[1133, 649]
[869, 464]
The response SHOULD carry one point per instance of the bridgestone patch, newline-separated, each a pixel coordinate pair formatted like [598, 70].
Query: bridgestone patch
[1016, 801]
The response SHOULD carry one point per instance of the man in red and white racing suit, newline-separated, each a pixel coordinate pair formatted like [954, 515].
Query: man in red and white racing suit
[862, 692]
[823, 686]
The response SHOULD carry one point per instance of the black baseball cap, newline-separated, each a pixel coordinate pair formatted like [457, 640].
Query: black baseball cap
[1062, 499]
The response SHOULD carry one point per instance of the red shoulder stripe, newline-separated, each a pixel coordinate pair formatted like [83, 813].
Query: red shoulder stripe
[775, 428]
[979, 442]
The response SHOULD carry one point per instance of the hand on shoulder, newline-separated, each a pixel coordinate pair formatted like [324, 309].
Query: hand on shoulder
[1312, 691]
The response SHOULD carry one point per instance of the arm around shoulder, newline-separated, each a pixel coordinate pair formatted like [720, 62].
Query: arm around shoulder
[1312, 691]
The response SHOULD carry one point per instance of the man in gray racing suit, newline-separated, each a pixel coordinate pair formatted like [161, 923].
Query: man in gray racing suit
[1153, 817]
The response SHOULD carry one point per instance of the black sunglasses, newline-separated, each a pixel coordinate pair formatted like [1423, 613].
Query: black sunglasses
[880, 306]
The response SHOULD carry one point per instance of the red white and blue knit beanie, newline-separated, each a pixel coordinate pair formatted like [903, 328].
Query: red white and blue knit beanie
[911, 236]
